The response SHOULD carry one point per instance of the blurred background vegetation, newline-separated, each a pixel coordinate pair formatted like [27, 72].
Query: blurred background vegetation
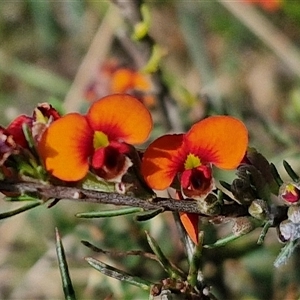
[221, 56]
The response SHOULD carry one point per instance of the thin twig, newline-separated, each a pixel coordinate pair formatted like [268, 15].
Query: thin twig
[117, 253]
[46, 192]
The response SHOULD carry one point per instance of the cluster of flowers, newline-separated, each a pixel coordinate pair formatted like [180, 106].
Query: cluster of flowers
[68, 147]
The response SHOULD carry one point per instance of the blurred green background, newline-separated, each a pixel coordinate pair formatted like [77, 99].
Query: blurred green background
[219, 57]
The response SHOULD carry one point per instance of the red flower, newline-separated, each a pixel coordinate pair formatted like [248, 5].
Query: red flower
[43, 114]
[74, 142]
[114, 79]
[15, 129]
[218, 140]
[290, 193]
[8, 145]
[268, 5]
[13, 142]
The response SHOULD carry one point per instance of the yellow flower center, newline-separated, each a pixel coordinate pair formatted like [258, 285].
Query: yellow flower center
[39, 117]
[290, 188]
[100, 140]
[192, 161]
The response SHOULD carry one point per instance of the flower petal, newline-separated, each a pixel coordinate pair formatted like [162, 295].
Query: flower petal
[221, 140]
[124, 80]
[65, 147]
[189, 221]
[190, 224]
[16, 130]
[121, 117]
[162, 161]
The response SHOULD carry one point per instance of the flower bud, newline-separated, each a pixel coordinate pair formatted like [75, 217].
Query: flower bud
[210, 205]
[290, 193]
[242, 191]
[244, 225]
[289, 230]
[294, 214]
[259, 209]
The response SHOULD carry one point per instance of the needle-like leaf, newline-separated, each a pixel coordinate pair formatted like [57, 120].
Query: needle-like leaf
[19, 210]
[118, 274]
[63, 267]
[109, 213]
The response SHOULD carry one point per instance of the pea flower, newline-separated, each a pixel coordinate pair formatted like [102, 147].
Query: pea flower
[290, 192]
[217, 140]
[98, 139]
[12, 137]
[268, 5]
[42, 116]
[112, 78]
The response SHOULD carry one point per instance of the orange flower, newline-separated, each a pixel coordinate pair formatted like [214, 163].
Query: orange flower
[112, 78]
[126, 80]
[74, 142]
[218, 140]
[268, 5]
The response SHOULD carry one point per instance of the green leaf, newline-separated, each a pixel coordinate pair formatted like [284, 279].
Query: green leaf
[91, 182]
[276, 175]
[155, 59]
[223, 241]
[109, 213]
[63, 267]
[21, 198]
[290, 171]
[264, 231]
[28, 135]
[19, 210]
[141, 29]
[195, 262]
[34, 75]
[225, 185]
[286, 253]
[172, 270]
[147, 215]
[118, 274]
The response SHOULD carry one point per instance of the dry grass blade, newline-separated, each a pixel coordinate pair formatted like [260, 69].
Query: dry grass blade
[96, 54]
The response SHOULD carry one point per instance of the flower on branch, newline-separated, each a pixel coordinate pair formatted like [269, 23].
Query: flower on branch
[15, 129]
[114, 79]
[8, 146]
[268, 5]
[290, 193]
[99, 139]
[18, 142]
[217, 140]
[42, 116]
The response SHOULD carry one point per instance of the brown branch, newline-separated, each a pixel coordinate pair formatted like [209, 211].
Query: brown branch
[46, 192]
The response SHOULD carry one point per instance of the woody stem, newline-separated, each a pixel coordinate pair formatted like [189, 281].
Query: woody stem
[47, 192]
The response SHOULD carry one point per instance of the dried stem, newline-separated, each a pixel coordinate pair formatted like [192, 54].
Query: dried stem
[46, 192]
